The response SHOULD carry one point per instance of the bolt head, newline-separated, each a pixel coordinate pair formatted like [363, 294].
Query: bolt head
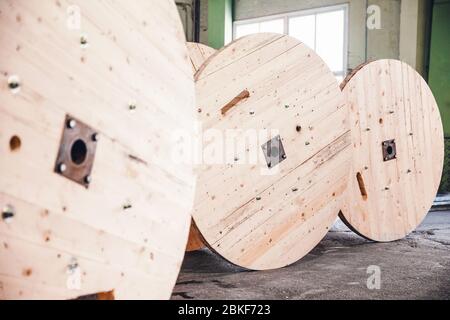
[62, 167]
[71, 124]
[88, 179]
[95, 137]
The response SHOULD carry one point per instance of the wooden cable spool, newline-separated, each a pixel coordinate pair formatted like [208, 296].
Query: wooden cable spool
[398, 150]
[91, 198]
[270, 213]
[198, 54]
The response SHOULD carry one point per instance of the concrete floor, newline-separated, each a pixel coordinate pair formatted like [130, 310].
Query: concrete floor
[417, 267]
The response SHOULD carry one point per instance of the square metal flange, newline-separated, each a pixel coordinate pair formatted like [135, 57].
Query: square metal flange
[274, 152]
[76, 151]
[389, 150]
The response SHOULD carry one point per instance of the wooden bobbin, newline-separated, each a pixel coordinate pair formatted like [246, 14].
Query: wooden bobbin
[285, 109]
[91, 197]
[198, 54]
[398, 150]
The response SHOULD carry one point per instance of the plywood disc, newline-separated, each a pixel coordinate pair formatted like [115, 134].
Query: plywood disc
[198, 54]
[91, 198]
[269, 212]
[398, 150]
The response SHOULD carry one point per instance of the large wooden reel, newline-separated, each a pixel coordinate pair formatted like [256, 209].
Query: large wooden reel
[270, 213]
[91, 199]
[198, 54]
[398, 150]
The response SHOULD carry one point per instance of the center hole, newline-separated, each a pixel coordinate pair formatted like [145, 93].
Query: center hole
[78, 152]
[390, 150]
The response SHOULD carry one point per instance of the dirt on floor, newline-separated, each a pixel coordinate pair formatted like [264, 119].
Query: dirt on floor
[342, 266]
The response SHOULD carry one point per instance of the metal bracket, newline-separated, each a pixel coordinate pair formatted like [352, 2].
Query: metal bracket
[389, 150]
[76, 151]
[274, 152]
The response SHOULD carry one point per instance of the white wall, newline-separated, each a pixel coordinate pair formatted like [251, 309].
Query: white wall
[402, 26]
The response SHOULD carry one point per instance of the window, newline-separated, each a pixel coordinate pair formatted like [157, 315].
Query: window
[324, 30]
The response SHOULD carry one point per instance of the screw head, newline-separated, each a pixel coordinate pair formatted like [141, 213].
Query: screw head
[14, 84]
[71, 124]
[95, 137]
[84, 41]
[8, 213]
[88, 179]
[62, 167]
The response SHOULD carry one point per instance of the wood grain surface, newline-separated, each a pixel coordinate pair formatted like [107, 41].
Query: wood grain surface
[198, 54]
[123, 69]
[387, 199]
[253, 215]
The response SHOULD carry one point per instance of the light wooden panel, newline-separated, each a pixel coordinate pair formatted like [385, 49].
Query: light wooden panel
[125, 72]
[198, 54]
[389, 100]
[253, 216]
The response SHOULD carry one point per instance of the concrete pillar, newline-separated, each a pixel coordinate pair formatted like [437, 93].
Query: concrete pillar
[413, 37]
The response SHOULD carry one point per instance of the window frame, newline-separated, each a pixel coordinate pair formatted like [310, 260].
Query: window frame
[301, 13]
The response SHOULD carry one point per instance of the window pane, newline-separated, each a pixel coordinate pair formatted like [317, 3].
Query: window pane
[275, 26]
[246, 29]
[303, 28]
[330, 39]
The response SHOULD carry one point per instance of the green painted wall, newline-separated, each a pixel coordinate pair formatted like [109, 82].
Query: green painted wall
[220, 22]
[439, 75]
